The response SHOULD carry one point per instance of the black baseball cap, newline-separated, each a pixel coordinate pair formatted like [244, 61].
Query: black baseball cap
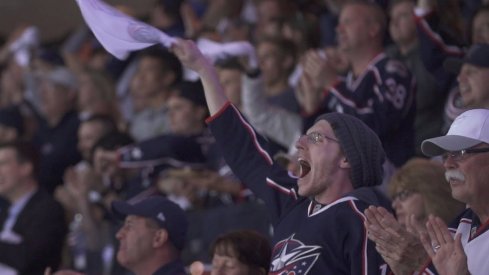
[164, 212]
[478, 55]
[11, 117]
[192, 91]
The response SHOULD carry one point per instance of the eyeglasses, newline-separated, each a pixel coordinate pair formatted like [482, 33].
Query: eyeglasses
[402, 195]
[315, 138]
[462, 154]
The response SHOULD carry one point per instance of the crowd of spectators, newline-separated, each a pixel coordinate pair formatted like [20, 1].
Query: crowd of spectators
[80, 129]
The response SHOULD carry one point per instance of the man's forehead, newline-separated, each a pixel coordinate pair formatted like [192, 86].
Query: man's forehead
[401, 7]
[134, 218]
[150, 62]
[361, 9]
[8, 151]
[469, 66]
[8, 155]
[322, 126]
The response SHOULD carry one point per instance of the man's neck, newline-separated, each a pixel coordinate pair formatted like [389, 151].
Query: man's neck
[194, 130]
[341, 186]
[478, 105]
[54, 120]
[361, 59]
[482, 211]
[150, 266]
[158, 101]
[24, 189]
[405, 48]
[274, 89]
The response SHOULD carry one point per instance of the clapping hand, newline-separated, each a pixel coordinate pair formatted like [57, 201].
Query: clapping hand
[398, 247]
[446, 253]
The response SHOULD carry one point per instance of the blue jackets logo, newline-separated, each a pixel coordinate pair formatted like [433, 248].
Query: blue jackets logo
[291, 257]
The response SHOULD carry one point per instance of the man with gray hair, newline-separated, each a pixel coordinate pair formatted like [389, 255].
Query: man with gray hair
[465, 155]
[56, 137]
[464, 150]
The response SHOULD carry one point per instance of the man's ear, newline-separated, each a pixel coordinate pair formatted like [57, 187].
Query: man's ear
[27, 168]
[201, 111]
[160, 238]
[288, 62]
[344, 163]
[169, 78]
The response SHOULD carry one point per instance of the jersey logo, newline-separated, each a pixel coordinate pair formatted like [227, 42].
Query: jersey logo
[396, 67]
[292, 257]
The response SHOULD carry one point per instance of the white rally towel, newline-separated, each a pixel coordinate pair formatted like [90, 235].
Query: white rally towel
[22, 47]
[121, 34]
[216, 51]
[117, 32]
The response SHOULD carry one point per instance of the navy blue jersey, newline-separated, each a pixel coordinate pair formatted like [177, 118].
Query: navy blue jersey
[333, 240]
[166, 150]
[58, 149]
[436, 46]
[383, 97]
[155, 155]
[475, 241]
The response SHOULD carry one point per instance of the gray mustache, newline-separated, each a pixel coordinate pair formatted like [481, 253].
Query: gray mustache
[454, 174]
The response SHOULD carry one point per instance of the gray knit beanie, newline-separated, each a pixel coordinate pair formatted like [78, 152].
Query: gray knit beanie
[361, 147]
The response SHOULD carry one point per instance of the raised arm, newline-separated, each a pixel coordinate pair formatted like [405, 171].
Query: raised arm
[244, 150]
[192, 58]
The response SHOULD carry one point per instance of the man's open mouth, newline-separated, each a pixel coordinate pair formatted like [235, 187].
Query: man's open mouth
[305, 168]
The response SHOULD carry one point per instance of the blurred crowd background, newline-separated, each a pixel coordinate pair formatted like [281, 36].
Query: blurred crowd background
[110, 129]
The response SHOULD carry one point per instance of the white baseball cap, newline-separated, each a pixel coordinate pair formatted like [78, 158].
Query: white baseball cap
[62, 76]
[468, 130]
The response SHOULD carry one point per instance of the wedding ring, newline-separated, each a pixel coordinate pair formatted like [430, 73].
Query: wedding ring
[436, 247]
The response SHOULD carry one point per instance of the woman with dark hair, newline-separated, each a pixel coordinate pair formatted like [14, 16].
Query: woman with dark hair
[242, 252]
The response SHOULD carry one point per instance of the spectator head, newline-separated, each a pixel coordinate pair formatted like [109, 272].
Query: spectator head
[277, 59]
[465, 152]
[47, 59]
[91, 130]
[167, 14]
[12, 82]
[11, 124]
[334, 6]
[229, 71]
[361, 26]
[99, 58]
[480, 26]
[302, 31]
[269, 10]
[109, 142]
[157, 73]
[402, 27]
[473, 76]
[419, 187]
[96, 94]
[237, 30]
[154, 230]
[187, 109]
[241, 252]
[18, 168]
[338, 150]
[58, 94]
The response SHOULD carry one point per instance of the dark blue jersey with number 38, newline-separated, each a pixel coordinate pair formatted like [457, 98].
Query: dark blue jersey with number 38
[383, 97]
